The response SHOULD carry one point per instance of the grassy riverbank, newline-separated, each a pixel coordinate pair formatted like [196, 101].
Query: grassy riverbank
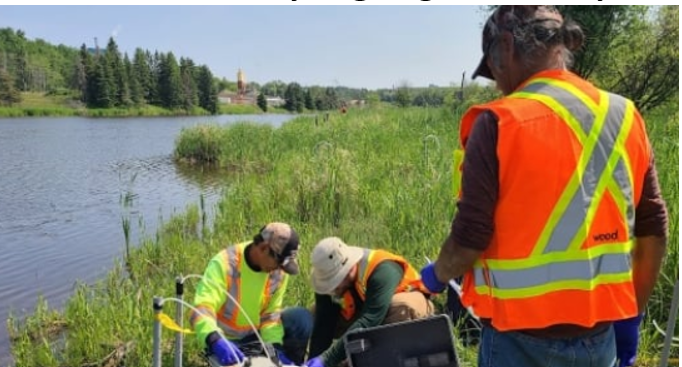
[376, 178]
[42, 105]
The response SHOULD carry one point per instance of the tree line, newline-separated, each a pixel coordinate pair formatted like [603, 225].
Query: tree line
[629, 50]
[103, 78]
[297, 98]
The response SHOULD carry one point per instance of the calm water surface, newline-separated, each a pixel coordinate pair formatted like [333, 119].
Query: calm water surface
[61, 184]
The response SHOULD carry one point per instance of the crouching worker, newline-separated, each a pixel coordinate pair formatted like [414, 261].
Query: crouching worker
[255, 274]
[359, 288]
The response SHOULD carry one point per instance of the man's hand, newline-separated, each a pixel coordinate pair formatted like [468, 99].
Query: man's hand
[227, 352]
[627, 340]
[430, 280]
[315, 362]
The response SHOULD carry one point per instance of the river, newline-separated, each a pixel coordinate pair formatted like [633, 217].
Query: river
[62, 181]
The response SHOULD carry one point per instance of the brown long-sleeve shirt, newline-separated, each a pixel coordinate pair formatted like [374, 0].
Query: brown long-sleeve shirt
[473, 224]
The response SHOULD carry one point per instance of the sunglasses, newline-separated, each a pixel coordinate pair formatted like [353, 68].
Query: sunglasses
[281, 260]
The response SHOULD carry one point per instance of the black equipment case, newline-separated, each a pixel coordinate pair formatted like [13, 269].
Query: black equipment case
[425, 342]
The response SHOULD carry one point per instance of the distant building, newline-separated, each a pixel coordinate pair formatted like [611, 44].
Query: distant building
[246, 95]
[356, 102]
[242, 96]
[236, 98]
[275, 101]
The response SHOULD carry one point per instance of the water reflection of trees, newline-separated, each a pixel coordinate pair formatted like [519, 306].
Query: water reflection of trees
[207, 177]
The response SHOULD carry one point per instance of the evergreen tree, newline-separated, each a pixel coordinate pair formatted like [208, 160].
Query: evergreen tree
[309, 103]
[170, 83]
[120, 90]
[134, 85]
[189, 95]
[294, 98]
[82, 69]
[142, 73]
[262, 102]
[154, 64]
[207, 91]
[101, 94]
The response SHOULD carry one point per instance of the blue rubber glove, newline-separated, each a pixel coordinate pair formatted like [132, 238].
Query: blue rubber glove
[430, 280]
[315, 362]
[284, 359]
[227, 352]
[627, 340]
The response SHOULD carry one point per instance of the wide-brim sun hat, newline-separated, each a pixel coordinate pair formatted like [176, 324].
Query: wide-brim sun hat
[332, 260]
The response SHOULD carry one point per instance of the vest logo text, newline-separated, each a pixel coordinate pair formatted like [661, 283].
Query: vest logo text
[602, 237]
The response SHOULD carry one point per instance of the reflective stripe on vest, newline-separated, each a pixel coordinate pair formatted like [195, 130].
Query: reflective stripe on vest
[363, 268]
[557, 262]
[458, 160]
[370, 260]
[228, 317]
[602, 126]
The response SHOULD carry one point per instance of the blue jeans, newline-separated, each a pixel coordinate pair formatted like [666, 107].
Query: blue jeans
[512, 349]
[298, 325]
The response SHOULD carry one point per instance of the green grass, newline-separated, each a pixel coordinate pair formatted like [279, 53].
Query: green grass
[43, 100]
[248, 109]
[239, 109]
[377, 178]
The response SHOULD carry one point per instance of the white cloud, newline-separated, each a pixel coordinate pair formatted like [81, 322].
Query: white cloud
[117, 29]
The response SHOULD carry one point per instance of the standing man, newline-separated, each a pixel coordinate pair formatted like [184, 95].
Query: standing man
[255, 274]
[359, 288]
[561, 228]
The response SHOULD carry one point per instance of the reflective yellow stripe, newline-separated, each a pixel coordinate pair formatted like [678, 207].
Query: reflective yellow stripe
[233, 322]
[228, 322]
[575, 91]
[559, 109]
[565, 230]
[618, 197]
[204, 311]
[363, 264]
[363, 267]
[574, 181]
[270, 318]
[606, 177]
[583, 285]
[589, 142]
[552, 257]
[458, 159]
[562, 271]
[557, 261]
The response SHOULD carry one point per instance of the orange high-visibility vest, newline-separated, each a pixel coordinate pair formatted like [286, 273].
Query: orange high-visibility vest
[572, 161]
[369, 261]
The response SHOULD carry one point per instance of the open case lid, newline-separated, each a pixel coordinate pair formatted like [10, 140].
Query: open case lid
[427, 342]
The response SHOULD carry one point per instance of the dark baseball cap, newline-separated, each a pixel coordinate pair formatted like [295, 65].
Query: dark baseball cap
[284, 242]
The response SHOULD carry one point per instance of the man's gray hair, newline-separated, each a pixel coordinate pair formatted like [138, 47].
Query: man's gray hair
[536, 30]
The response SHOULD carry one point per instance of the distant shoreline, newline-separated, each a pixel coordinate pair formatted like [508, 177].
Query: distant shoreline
[144, 111]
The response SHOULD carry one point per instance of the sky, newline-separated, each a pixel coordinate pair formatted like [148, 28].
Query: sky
[356, 46]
